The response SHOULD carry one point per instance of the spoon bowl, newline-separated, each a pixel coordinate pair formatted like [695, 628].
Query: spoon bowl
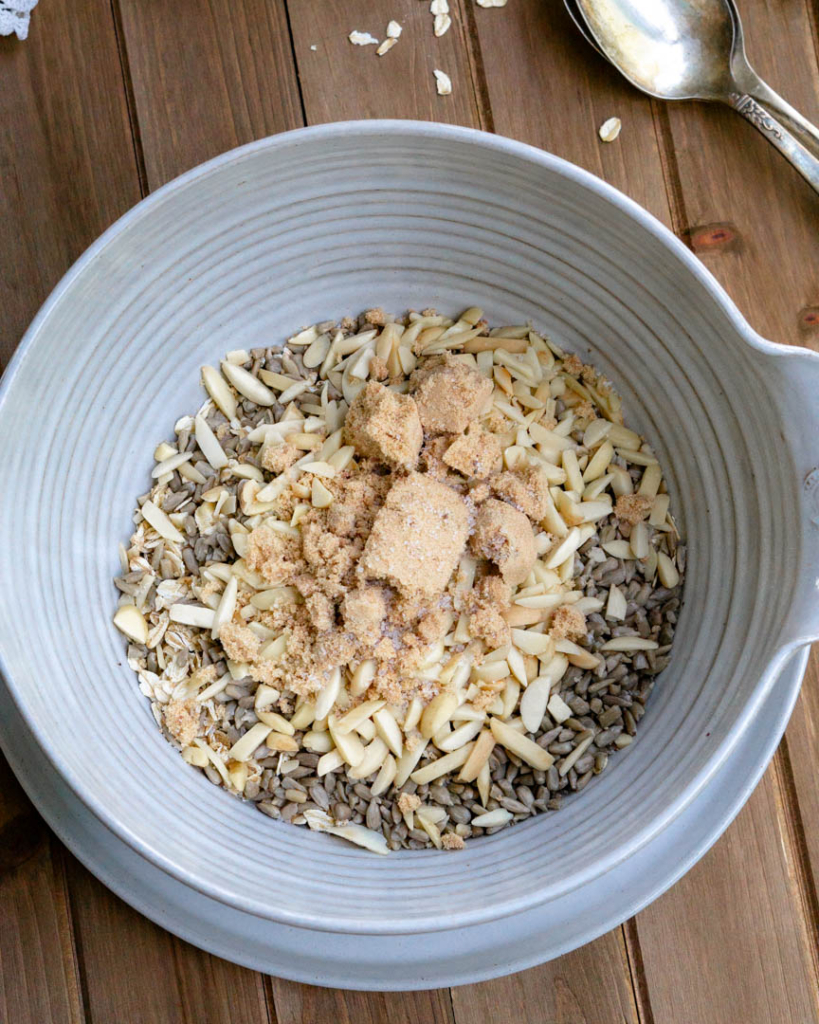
[694, 50]
[670, 49]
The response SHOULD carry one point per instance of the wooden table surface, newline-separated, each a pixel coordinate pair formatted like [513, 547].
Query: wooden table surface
[107, 100]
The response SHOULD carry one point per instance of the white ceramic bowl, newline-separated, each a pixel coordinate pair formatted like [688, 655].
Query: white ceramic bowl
[326, 221]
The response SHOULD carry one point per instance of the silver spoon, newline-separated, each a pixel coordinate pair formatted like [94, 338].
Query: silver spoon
[694, 49]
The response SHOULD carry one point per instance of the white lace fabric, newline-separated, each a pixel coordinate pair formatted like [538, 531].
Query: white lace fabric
[14, 17]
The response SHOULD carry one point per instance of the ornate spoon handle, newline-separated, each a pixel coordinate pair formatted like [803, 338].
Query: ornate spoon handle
[786, 140]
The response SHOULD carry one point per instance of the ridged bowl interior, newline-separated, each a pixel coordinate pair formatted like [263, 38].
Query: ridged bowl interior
[314, 225]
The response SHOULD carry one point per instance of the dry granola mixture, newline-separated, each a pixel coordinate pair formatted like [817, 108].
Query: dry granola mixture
[403, 580]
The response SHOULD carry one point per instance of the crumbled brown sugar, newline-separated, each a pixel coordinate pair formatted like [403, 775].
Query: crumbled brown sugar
[335, 648]
[431, 626]
[408, 802]
[527, 489]
[321, 611]
[474, 454]
[377, 317]
[418, 536]
[490, 599]
[239, 642]
[503, 535]
[583, 411]
[450, 395]
[276, 458]
[633, 508]
[452, 841]
[384, 425]
[275, 556]
[567, 623]
[573, 364]
[364, 610]
[486, 698]
[431, 460]
[181, 719]
[480, 492]
[379, 369]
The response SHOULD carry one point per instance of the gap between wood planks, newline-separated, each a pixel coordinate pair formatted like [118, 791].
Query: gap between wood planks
[796, 848]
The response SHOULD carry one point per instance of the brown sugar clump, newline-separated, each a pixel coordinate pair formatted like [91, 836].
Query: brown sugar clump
[384, 425]
[276, 458]
[377, 317]
[503, 535]
[480, 492]
[432, 626]
[408, 802]
[239, 642]
[273, 555]
[335, 648]
[379, 369]
[452, 841]
[567, 623]
[573, 364]
[431, 460]
[182, 720]
[450, 395]
[486, 621]
[322, 612]
[363, 611]
[633, 508]
[476, 454]
[418, 536]
[527, 489]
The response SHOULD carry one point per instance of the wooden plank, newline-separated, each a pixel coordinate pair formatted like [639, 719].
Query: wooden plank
[66, 172]
[207, 75]
[797, 764]
[304, 1004]
[590, 984]
[39, 980]
[135, 971]
[340, 81]
[728, 943]
[547, 87]
[66, 156]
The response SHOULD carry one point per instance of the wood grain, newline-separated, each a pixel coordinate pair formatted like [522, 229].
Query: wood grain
[549, 88]
[589, 986]
[135, 971]
[340, 81]
[206, 75]
[66, 172]
[728, 942]
[66, 157]
[800, 791]
[39, 979]
[305, 1004]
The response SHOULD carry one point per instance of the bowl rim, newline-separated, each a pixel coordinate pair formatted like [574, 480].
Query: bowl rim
[541, 159]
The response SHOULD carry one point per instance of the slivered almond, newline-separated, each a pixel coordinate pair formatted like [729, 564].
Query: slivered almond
[248, 385]
[526, 749]
[447, 763]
